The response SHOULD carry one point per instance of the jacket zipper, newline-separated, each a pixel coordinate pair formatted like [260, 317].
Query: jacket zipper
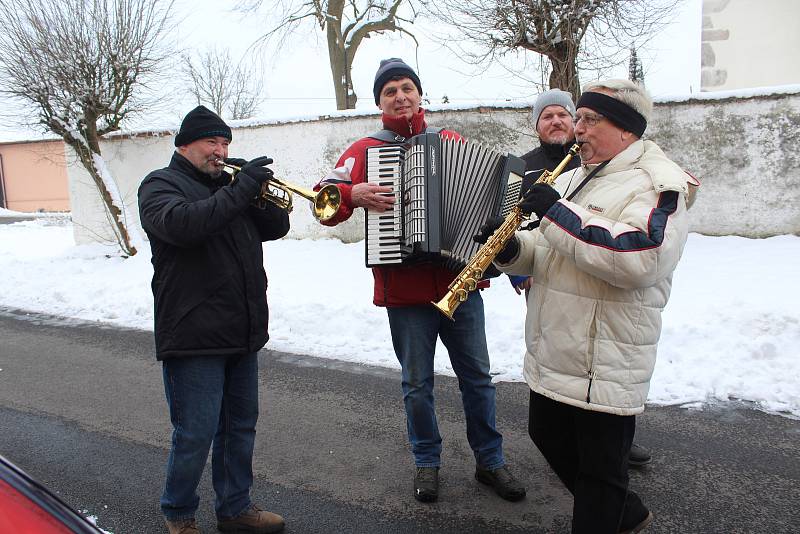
[592, 337]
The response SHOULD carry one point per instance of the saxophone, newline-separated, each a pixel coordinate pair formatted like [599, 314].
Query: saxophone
[467, 280]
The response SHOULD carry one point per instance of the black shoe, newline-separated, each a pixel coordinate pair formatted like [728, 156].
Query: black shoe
[643, 524]
[426, 484]
[502, 481]
[639, 456]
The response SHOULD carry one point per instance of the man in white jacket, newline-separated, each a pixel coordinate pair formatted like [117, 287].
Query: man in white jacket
[610, 236]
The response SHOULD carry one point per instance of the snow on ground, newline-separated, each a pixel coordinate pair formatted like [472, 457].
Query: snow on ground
[731, 329]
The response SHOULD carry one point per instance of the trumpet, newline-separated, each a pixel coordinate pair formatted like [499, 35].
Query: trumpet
[325, 202]
[467, 280]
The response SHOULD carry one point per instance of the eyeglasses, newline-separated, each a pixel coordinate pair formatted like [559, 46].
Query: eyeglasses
[588, 120]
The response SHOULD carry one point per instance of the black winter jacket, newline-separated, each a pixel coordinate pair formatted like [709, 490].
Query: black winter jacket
[209, 284]
[545, 157]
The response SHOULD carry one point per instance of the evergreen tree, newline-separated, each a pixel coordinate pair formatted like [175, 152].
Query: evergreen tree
[635, 70]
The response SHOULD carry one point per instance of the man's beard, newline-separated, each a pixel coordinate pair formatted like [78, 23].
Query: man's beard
[217, 174]
[559, 138]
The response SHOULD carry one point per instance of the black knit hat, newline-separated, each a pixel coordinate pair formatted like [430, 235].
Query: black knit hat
[199, 123]
[389, 69]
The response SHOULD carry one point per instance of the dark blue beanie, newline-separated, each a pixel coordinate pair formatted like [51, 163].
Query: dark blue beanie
[199, 123]
[389, 69]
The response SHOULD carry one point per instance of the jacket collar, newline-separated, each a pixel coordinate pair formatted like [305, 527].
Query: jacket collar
[556, 151]
[401, 126]
[184, 166]
[622, 161]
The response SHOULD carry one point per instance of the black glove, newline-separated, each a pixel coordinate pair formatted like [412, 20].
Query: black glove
[239, 162]
[490, 227]
[257, 170]
[539, 200]
[227, 175]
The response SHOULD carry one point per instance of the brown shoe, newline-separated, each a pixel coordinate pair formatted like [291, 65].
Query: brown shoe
[182, 526]
[254, 520]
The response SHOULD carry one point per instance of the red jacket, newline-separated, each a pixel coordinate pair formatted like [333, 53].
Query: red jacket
[418, 284]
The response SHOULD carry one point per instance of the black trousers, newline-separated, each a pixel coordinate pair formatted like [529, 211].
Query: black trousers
[589, 453]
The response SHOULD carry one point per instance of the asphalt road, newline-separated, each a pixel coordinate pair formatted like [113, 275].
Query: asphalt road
[82, 410]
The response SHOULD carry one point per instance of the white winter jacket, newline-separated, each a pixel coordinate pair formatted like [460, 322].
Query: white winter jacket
[602, 268]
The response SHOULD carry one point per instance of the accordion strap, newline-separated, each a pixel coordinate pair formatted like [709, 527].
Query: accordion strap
[388, 136]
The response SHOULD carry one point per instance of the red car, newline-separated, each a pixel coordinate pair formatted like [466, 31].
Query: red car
[27, 507]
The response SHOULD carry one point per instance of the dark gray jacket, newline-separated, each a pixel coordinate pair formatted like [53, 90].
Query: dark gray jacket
[545, 157]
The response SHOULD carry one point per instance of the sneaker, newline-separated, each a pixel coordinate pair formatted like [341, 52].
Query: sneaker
[502, 481]
[182, 526]
[426, 484]
[253, 520]
[641, 526]
[639, 456]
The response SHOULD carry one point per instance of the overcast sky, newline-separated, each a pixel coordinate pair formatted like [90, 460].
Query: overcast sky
[298, 80]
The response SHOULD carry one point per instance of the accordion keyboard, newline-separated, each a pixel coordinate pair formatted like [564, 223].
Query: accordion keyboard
[384, 233]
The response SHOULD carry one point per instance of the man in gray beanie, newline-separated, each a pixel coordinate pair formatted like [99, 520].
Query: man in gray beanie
[552, 119]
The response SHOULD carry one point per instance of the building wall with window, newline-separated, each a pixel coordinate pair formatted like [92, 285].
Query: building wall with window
[33, 176]
[749, 43]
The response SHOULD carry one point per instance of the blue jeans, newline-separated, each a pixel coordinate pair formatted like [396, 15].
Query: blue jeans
[414, 332]
[212, 399]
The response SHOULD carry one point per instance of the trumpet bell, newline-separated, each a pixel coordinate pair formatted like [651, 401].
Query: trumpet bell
[326, 202]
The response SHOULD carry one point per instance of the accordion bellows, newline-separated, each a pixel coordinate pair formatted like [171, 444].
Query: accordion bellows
[444, 190]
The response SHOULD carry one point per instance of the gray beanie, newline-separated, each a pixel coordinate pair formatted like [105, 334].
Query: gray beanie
[553, 97]
[390, 68]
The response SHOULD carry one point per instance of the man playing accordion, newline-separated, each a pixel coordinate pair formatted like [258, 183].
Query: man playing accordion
[406, 292]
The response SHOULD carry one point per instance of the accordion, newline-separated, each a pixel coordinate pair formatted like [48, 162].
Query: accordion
[444, 190]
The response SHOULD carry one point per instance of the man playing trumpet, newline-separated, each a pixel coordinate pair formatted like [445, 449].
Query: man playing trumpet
[210, 293]
[602, 258]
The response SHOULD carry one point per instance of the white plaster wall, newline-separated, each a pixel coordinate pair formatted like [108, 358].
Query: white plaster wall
[743, 149]
[303, 151]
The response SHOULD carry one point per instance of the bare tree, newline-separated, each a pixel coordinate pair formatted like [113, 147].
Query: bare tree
[569, 33]
[230, 88]
[346, 24]
[77, 67]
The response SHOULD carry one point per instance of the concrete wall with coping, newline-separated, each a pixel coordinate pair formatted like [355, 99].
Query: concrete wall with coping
[741, 147]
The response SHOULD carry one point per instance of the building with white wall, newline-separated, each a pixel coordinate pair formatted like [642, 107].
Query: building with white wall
[749, 43]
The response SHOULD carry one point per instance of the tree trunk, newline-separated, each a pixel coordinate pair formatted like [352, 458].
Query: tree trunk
[340, 63]
[564, 73]
[113, 212]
